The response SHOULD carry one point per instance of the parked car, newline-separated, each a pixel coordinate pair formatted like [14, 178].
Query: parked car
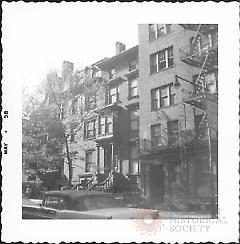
[70, 204]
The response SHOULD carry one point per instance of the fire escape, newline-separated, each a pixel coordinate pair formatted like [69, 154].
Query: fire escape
[202, 53]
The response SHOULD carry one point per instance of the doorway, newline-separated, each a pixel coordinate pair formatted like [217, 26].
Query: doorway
[156, 183]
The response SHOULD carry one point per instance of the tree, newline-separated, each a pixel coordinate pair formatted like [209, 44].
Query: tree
[72, 99]
[41, 137]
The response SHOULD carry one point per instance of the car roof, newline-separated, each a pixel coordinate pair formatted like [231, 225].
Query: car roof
[74, 194]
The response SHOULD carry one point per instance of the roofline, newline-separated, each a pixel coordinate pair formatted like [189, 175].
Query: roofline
[106, 61]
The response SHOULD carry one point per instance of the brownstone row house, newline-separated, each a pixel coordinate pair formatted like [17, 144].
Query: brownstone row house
[155, 121]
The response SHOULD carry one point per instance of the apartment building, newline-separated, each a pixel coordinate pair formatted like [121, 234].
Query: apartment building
[151, 121]
[177, 67]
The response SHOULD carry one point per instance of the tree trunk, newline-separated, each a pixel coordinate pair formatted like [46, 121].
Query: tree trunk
[69, 163]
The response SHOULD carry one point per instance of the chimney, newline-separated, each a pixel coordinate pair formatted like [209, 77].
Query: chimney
[67, 69]
[120, 47]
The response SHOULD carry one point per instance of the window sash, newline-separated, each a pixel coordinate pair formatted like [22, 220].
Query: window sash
[156, 135]
[133, 90]
[132, 65]
[88, 162]
[163, 96]
[134, 159]
[90, 129]
[113, 95]
[161, 60]
[158, 30]
[173, 132]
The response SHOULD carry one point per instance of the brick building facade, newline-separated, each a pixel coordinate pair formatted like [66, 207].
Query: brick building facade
[151, 125]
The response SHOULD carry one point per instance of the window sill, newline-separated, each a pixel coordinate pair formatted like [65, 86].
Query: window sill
[162, 36]
[162, 70]
[156, 109]
[90, 138]
[105, 134]
[109, 104]
[131, 98]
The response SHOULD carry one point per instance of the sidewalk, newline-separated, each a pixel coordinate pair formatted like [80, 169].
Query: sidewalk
[164, 214]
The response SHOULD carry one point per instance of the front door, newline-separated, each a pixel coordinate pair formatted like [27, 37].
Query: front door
[107, 159]
[156, 185]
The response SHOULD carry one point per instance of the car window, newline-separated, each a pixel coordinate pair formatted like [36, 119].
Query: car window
[55, 202]
[92, 203]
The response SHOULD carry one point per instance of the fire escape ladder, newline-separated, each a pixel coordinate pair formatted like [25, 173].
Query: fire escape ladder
[202, 120]
[196, 34]
[201, 76]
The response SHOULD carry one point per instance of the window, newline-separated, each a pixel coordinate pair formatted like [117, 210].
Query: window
[89, 128]
[205, 41]
[161, 60]
[102, 125]
[74, 106]
[211, 82]
[163, 96]
[207, 82]
[112, 74]
[109, 124]
[88, 162]
[134, 169]
[132, 65]
[133, 89]
[134, 120]
[158, 30]
[156, 135]
[113, 95]
[106, 125]
[173, 132]
[90, 101]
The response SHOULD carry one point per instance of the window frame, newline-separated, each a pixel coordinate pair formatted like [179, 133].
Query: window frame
[155, 33]
[133, 120]
[105, 125]
[133, 160]
[171, 96]
[168, 60]
[86, 129]
[112, 73]
[88, 163]
[132, 65]
[93, 100]
[173, 134]
[132, 88]
[155, 137]
[109, 99]
[74, 106]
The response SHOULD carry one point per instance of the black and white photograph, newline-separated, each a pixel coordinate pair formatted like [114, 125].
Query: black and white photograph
[120, 122]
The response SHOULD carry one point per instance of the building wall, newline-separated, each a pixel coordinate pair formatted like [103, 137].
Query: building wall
[178, 38]
[189, 173]
[120, 127]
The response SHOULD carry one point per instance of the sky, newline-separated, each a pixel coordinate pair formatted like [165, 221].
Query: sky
[41, 36]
